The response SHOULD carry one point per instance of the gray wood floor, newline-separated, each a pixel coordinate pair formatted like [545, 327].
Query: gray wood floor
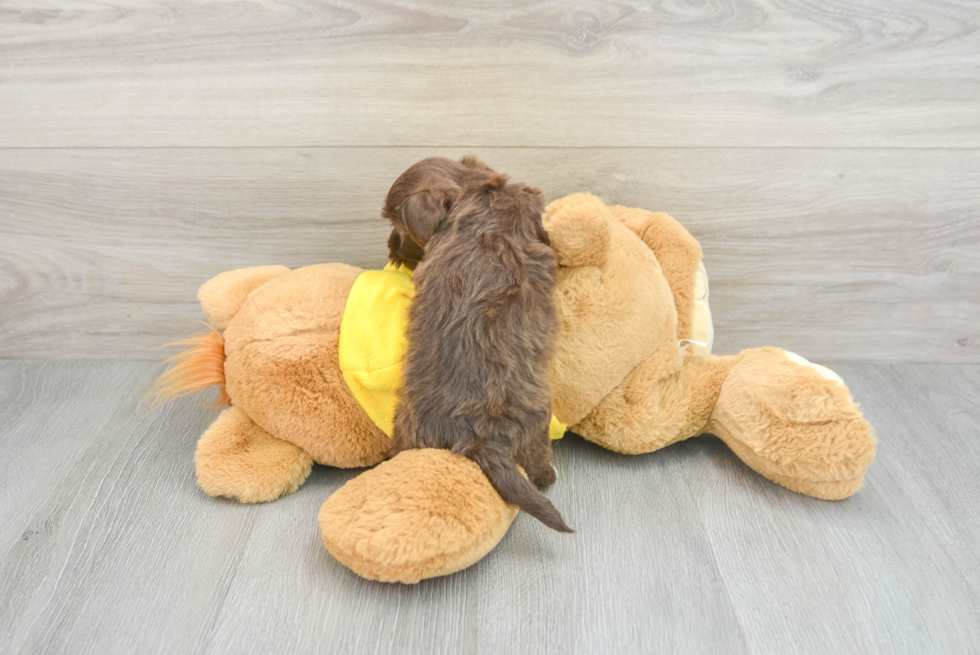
[108, 545]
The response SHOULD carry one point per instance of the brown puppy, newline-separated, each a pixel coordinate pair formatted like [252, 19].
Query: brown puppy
[482, 329]
[420, 198]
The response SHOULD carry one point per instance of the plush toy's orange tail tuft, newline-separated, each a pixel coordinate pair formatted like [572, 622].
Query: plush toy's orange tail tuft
[196, 368]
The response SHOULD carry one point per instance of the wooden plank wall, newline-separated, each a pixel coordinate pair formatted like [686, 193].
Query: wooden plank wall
[826, 154]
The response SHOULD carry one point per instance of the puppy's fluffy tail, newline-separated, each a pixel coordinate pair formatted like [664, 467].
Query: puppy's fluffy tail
[196, 368]
[515, 489]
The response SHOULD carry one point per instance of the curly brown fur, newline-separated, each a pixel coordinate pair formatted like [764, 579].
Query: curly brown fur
[420, 198]
[481, 332]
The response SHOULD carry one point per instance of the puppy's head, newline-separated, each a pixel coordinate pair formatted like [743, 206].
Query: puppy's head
[514, 208]
[421, 198]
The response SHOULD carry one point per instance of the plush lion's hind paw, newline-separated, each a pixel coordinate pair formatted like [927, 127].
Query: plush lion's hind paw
[422, 514]
[795, 423]
[238, 459]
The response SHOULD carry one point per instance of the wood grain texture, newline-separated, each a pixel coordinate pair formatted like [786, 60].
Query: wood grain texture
[836, 254]
[108, 546]
[824, 153]
[898, 559]
[138, 73]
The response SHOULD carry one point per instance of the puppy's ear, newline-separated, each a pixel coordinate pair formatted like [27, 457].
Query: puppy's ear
[424, 210]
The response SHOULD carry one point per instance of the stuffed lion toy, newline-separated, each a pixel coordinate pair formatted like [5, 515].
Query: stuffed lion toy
[309, 362]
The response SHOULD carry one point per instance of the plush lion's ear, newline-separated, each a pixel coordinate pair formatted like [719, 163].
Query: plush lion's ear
[578, 226]
[424, 210]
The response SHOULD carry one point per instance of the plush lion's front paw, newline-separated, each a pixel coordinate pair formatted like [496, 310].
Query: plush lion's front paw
[422, 514]
[795, 423]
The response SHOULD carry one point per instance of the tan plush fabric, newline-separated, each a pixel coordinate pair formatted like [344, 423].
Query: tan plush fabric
[223, 295]
[237, 459]
[423, 514]
[705, 375]
[793, 425]
[620, 377]
[579, 230]
[626, 294]
[662, 401]
[607, 277]
[677, 252]
[789, 421]
[282, 367]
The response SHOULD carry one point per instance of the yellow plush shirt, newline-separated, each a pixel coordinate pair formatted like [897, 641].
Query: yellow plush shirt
[373, 343]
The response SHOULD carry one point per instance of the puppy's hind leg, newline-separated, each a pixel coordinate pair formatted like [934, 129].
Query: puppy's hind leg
[536, 460]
